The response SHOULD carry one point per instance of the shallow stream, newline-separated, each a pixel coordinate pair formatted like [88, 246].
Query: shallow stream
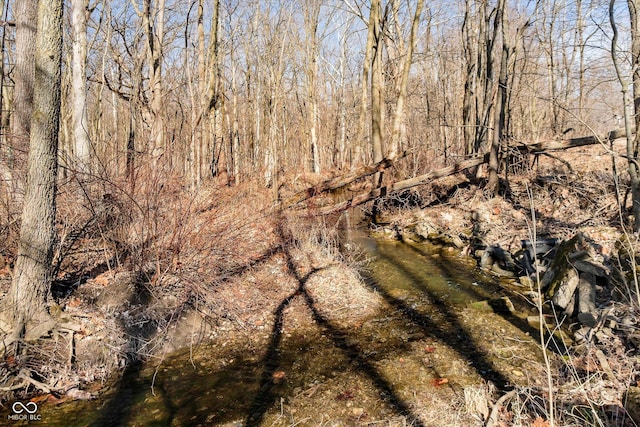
[424, 346]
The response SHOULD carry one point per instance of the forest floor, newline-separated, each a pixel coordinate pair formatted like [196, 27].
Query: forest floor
[142, 275]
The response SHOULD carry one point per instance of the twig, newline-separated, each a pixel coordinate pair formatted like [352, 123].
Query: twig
[493, 418]
[14, 387]
[25, 375]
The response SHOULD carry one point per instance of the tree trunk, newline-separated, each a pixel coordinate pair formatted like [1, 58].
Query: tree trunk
[364, 82]
[631, 108]
[632, 147]
[493, 184]
[27, 298]
[398, 118]
[312, 19]
[213, 95]
[79, 85]
[24, 72]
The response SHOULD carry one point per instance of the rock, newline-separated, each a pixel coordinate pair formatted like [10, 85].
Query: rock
[587, 293]
[587, 319]
[486, 260]
[570, 310]
[77, 394]
[591, 268]
[562, 297]
[581, 334]
[357, 412]
[526, 281]
[499, 271]
[557, 271]
[498, 305]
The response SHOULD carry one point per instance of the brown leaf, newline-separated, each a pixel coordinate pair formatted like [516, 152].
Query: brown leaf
[540, 422]
[278, 376]
[437, 382]
[11, 361]
[101, 280]
[41, 398]
[429, 349]
[53, 400]
[346, 395]
[74, 302]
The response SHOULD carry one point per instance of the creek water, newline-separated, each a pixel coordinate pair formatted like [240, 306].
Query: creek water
[420, 335]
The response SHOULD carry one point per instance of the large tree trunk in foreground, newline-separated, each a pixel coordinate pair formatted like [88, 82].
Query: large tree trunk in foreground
[25, 307]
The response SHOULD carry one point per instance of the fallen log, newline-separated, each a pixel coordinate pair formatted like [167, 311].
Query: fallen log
[403, 185]
[564, 144]
[341, 181]
[541, 147]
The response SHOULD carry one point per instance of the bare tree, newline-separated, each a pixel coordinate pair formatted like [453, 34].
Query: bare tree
[311, 20]
[501, 101]
[152, 18]
[377, 98]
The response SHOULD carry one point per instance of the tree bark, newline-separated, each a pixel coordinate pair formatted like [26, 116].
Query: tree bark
[376, 84]
[398, 118]
[81, 140]
[493, 184]
[24, 73]
[364, 82]
[312, 19]
[630, 108]
[30, 288]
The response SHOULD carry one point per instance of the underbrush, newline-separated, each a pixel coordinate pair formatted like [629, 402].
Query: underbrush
[135, 267]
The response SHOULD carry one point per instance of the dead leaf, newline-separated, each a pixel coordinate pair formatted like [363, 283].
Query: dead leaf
[429, 349]
[74, 302]
[540, 422]
[437, 382]
[346, 395]
[40, 398]
[101, 280]
[11, 361]
[53, 400]
[278, 376]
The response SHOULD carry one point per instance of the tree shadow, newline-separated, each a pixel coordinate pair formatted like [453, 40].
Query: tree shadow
[453, 333]
[265, 397]
[448, 269]
[117, 409]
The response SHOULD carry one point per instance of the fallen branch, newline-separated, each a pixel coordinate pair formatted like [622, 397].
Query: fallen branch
[403, 185]
[26, 376]
[542, 147]
[564, 144]
[495, 412]
[341, 181]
